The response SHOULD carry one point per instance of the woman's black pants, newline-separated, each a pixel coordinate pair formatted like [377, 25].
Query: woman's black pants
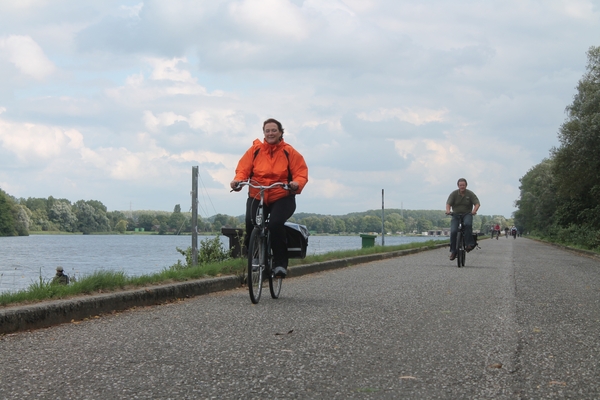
[280, 211]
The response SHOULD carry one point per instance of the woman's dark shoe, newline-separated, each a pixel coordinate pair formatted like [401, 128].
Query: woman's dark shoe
[452, 256]
[280, 272]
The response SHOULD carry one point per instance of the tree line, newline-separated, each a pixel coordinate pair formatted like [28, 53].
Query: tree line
[559, 196]
[21, 216]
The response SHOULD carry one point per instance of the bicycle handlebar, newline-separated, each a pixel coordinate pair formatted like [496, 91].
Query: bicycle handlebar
[452, 213]
[247, 183]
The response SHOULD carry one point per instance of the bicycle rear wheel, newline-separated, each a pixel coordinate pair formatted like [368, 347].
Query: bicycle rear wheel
[256, 265]
[460, 249]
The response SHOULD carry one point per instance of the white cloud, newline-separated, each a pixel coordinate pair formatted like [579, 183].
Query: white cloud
[328, 188]
[210, 120]
[404, 148]
[32, 143]
[406, 96]
[27, 56]
[167, 79]
[63, 152]
[135, 80]
[328, 7]
[217, 120]
[168, 69]
[161, 120]
[581, 9]
[133, 11]
[271, 18]
[412, 116]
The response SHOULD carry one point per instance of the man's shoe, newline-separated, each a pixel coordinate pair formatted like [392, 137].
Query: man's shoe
[469, 248]
[452, 256]
[279, 272]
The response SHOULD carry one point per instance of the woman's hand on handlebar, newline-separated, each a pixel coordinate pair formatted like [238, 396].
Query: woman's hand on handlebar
[235, 186]
[293, 186]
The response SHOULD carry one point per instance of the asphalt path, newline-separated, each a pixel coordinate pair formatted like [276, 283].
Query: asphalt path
[520, 321]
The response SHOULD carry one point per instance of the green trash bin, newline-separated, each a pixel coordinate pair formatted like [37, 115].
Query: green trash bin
[367, 240]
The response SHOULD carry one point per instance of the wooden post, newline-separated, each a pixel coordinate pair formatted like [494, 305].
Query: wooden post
[382, 221]
[194, 216]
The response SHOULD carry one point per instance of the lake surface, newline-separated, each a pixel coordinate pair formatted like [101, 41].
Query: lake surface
[24, 259]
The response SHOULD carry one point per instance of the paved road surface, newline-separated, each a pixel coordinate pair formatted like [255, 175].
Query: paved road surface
[520, 321]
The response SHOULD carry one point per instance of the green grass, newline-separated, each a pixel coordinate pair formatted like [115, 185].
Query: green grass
[548, 239]
[110, 281]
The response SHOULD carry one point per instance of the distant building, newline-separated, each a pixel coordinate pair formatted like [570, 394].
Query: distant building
[438, 232]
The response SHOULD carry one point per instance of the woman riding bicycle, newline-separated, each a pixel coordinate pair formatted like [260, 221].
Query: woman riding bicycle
[265, 163]
[462, 201]
[496, 231]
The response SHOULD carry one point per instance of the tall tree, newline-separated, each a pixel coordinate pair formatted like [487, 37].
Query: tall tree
[22, 219]
[62, 214]
[7, 223]
[537, 203]
[576, 161]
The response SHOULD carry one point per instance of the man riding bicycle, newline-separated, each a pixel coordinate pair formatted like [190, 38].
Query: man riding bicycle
[462, 202]
[265, 163]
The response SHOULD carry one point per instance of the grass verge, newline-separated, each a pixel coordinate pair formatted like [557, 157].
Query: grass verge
[567, 245]
[110, 281]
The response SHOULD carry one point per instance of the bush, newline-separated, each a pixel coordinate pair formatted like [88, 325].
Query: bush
[574, 235]
[210, 251]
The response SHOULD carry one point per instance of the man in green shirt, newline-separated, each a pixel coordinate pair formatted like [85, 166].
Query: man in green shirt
[465, 202]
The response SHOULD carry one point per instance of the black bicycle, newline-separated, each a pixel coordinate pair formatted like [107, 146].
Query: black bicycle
[461, 245]
[260, 255]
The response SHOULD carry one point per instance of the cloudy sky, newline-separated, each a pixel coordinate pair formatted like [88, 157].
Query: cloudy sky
[117, 100]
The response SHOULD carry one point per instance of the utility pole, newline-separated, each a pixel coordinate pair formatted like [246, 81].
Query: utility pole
[382, 220]
[194, 216]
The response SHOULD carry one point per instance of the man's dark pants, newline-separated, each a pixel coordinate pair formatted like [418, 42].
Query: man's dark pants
[468, 223]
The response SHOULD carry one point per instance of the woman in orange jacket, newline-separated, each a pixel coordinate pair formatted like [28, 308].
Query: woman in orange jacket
[267, 162]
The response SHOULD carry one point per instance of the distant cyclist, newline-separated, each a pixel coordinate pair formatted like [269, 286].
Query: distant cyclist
[462, 201]
[513, 232]
[496, 231]
[267, 162]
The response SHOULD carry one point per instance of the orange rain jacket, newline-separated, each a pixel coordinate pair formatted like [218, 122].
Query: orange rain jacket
[266, 164]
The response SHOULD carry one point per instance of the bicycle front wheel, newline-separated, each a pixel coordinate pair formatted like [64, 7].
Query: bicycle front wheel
[460, 249]
[256, 264]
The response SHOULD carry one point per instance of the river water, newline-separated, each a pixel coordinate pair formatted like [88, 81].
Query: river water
[26, 259]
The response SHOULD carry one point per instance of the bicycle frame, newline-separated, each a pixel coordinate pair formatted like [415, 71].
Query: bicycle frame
[259, 248]
[461, 247]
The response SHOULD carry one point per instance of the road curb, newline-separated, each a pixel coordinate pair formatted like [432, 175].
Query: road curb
[54, 312]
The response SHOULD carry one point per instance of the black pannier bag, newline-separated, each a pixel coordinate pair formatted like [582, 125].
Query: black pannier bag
[297, 240]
